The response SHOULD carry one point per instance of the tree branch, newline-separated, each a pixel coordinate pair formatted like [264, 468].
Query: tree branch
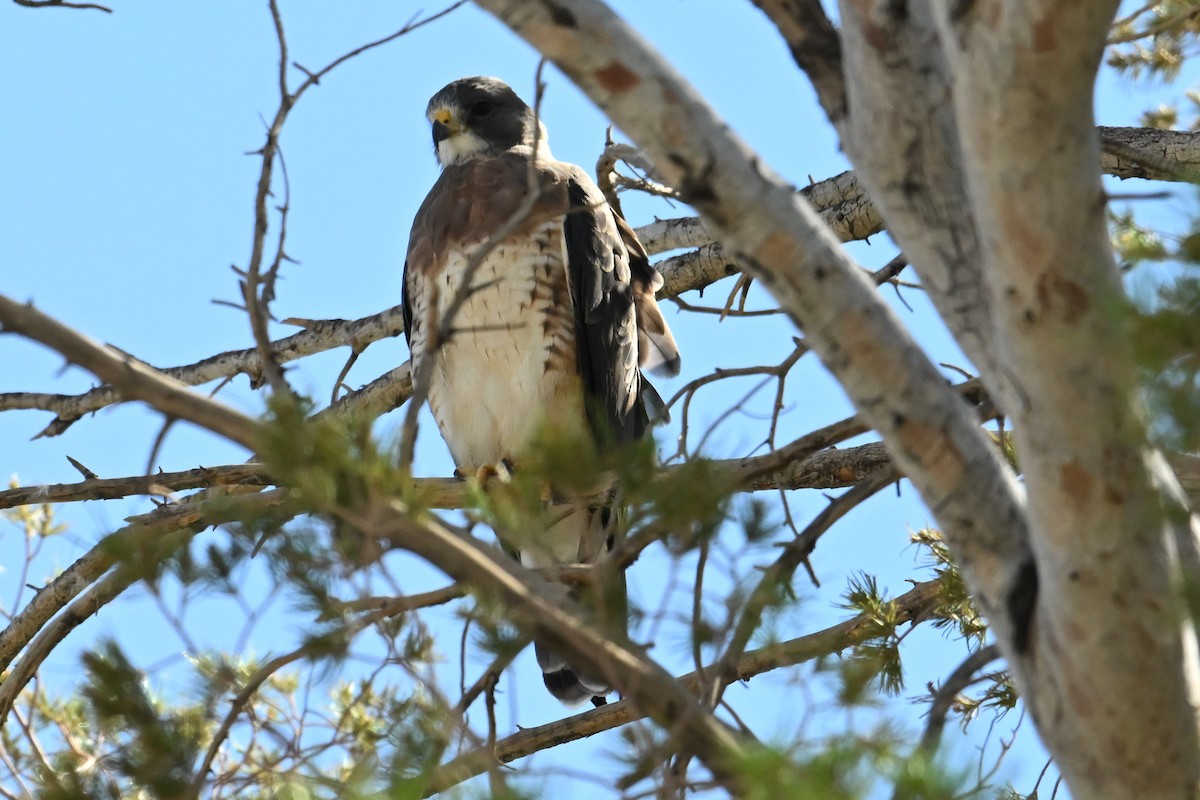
[134, 379]
[943, 700]
[913, 606]
[161, 484]
[829, 469]
[1150, 153]
[61, 4]
[135, 537]
[319, 336]
[779, 574]
[541, 612]
[258, 288]
[49, 637]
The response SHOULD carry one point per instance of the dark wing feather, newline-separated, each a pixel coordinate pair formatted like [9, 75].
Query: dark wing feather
[605, 320]
[657, 351]
[406, 305]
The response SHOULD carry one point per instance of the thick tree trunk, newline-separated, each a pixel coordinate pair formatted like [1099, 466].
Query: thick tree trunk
[1110, 671]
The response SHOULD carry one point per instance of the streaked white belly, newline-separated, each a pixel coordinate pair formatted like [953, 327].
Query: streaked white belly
[509, 363]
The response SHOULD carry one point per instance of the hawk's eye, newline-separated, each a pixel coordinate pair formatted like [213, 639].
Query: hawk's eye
[482, 108]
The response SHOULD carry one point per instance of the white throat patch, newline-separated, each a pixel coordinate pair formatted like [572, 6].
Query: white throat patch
[460, 147]
[465, 145]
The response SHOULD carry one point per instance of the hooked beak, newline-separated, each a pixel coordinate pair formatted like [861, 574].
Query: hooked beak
[444, 125]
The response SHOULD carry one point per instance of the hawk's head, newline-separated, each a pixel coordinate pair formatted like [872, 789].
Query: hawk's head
[480, 117]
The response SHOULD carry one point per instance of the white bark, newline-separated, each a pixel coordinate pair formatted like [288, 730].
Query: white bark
[1110, 673]
[1114, 682]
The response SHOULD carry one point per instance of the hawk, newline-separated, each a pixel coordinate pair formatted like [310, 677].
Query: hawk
[529, 304]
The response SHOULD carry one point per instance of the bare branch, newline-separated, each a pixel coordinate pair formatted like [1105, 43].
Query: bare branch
[943, 701]
[160, 484]
[314, 78]
[1150, 153]
[257, 303]
[134, 379]
[913, 606]
[319, 336]
[840, 201]
[779, 575]
[395, 606]
[61, 4]
[49, 637]
[256, 293]
[830, 469]
[542, 613]
[695, 268]
[381, 395]
[805, 463]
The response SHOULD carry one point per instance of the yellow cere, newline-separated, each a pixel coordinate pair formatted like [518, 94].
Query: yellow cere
[443, 116]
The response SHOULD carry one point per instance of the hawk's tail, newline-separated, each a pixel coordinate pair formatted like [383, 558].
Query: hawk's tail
[589, 532]
[570, 685]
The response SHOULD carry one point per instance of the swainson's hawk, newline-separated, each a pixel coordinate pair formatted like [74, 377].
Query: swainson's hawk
[558, 322]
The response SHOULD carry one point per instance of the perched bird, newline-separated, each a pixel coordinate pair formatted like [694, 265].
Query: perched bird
[552, 318]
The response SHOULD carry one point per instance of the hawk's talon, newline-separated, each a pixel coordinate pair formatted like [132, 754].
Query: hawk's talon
[502, 472]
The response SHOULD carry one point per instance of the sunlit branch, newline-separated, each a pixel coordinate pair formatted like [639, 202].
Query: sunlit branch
[134, 379]
[913, 606]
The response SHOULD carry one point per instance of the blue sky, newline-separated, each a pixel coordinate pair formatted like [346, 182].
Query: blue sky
[126, 194]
